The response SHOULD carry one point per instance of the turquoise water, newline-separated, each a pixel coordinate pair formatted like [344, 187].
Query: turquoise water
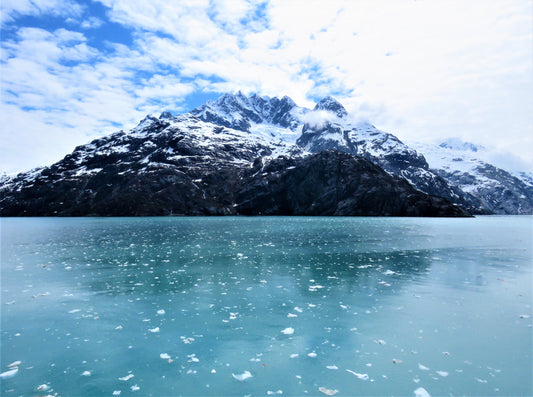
[266, 306]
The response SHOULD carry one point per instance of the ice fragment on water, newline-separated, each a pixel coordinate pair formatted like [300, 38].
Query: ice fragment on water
[389, 272]
[327, 392]
[74, 311]
[423, 367]
[118, 327]
[42, 387]
[14, 364]
[116, 392]
[294, 355]
[161, 312]
[213, 371]
[9, 374]
[164, 356]
[288, 331]
[134, 388]
[127, 377]
[360, 376]
[442, 373]
[241, 377]
[332, 367]
[396, 361]
[421, 392]
[86, 373]
[297, 309]
[291, 315]
[312, 354]
[154, 330]
[481, 380]
[524, 316]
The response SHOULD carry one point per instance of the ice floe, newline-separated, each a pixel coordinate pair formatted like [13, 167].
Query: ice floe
[134, 388]
[117, 392]
[14, 364]
[360, 376]
[312, 354]
[164, 356]
[43, 387]
[442, 373]
[127, 377]
[86, 373]
[241, 377]
[288, 331]
[9, 374]
[327, 392]
[161, 312]
[332, 367]
[421, 392]
[423, 367]
[154, 330]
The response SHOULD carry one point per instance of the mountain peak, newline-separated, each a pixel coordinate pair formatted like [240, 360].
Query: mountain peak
[331, 104]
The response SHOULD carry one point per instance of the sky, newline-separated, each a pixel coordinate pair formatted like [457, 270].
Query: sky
[423, 70]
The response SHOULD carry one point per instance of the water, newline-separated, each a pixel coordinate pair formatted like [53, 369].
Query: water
[186, 306]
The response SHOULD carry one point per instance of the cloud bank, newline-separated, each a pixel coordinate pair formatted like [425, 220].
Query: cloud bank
[74, 70]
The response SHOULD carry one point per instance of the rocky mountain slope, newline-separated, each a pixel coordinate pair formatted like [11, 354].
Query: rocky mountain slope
[460, 164]
[242, 155]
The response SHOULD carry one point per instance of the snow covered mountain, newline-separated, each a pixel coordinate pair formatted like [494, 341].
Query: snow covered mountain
[460, 164]
[243, 155]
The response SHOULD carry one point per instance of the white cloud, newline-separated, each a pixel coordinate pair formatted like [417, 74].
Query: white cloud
[11, 9]
[318, 118]
[418, 69]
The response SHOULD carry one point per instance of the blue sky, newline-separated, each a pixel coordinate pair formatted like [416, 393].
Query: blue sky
[423, 70]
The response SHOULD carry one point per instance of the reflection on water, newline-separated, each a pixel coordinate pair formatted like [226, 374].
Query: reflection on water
[367, 306]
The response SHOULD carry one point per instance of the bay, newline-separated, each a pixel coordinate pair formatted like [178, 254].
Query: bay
[266, 306]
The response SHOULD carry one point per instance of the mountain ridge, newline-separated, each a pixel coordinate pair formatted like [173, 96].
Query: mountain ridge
[227, 138]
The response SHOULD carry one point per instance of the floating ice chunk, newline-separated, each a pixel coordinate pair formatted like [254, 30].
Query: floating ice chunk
[421, 392]
[297, 309]
[442, 373]
[74, 311]
[288, 331]
[127, 377]
[360, 376]
[332, 367]
[161, 312]
[327, 392]
[396, 361]
[312, 354]
[380, 342]
[14, 364]
[524, 316]
[116, 392]
[164, 356]
[388, 272]
[9, 374]
[292, 315]
[154, 330]
[193, 358]
[86, 373]
[134, 388]
[43, 387]
[423, 367]
[10, 303]
[294, 355]
[481, 380]
[241, 377]
[270, 392]
[119, 327]
[213, 371]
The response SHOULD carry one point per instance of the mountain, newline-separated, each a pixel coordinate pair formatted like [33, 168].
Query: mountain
[242, 155]
[460, 164]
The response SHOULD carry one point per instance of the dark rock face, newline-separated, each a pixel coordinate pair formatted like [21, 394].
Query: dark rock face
[334, 183]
